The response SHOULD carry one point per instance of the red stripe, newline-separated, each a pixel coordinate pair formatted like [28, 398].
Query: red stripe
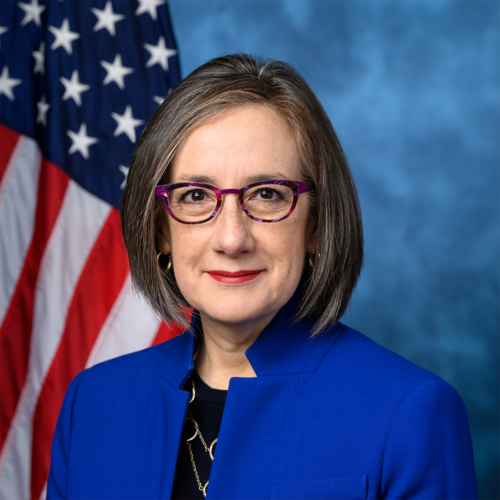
[9, 140]
[15, 332]
[96, 291]
[166, 332]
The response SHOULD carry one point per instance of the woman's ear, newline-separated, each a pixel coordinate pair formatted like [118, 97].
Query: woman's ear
[163, 239]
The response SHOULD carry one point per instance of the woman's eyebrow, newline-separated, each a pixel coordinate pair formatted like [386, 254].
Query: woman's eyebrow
[269, 176]
[204, 179]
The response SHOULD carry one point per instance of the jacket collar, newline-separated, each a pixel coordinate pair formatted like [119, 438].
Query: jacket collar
[283, 348]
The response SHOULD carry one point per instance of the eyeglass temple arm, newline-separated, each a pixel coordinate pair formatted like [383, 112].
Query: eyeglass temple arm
[158, 191]
[306, 186]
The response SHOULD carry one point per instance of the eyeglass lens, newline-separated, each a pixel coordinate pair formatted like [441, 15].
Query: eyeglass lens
[265, 202]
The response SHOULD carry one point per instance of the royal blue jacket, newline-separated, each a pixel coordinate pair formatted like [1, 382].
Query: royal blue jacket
[334, 417]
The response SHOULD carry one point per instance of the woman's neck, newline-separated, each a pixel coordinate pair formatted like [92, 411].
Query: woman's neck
[221, 355]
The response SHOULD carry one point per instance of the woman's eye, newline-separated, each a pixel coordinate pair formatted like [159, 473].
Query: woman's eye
[195, 195]
[267, 194]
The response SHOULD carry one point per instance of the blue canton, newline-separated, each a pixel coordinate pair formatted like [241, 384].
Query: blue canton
[83, 78]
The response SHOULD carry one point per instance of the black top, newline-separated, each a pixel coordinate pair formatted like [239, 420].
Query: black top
[206, 409]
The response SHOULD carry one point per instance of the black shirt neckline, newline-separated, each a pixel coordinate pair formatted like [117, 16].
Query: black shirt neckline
[204, 391]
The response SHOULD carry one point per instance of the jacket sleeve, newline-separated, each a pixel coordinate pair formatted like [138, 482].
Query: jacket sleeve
[56, 484]
[428, 453]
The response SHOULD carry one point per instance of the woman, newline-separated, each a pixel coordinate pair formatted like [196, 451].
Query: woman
[240, 204]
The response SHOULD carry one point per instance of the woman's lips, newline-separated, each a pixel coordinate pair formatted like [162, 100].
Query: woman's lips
[234, 278]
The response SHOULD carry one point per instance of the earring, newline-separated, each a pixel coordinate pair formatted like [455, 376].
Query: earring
[169, 265]
[311, 263]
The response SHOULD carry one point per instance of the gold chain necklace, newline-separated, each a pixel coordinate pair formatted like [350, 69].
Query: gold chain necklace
[209, 449]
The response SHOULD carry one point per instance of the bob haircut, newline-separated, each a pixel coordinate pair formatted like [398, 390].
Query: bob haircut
[216, 86]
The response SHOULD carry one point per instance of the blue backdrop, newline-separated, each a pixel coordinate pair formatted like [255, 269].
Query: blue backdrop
[412, 89]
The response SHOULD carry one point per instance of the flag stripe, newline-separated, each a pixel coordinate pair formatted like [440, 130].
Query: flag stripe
[166, 332]
[18, 197]
[15, 331]
[80, 221]
[8, 140]
[91, 304]
[130, 326]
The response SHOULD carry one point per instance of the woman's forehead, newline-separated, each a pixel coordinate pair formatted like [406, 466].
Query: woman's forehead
[242, 144]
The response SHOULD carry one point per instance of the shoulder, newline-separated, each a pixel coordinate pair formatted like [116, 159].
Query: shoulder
[131, 373]
[356, 348]
[361, 362]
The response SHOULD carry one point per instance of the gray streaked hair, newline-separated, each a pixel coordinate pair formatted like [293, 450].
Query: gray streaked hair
[216, 86]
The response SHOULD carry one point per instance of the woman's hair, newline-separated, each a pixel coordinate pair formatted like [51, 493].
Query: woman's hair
[220, 84]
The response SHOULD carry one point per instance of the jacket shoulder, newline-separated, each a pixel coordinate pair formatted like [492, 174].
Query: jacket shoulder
[133, 370]
[373, 363]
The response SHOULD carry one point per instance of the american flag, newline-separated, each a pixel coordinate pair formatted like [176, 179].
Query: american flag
[78, 82]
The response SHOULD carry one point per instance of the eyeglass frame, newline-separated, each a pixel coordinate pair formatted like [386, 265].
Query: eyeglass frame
[298, 187]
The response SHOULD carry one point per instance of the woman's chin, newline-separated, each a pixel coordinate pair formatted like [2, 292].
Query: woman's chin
[237, 313]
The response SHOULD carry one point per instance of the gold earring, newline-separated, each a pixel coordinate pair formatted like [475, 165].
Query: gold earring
[311, 262]
[169, 265]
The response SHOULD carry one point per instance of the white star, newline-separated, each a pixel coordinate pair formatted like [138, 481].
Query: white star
[116, 72]
[32, 12]
[64, 37]
[106, 18]
[81, 141]
[43, 107]
[159, 54]
[73, 88]
[3, 30]
[158, 99]
[124, 171]
[126, 123]
[7, 84]
[39, 59]
[148, 6]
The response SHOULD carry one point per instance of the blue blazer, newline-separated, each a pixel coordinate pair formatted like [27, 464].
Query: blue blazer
[334, 417]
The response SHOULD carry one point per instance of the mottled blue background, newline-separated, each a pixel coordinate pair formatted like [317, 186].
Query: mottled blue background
[412, 89]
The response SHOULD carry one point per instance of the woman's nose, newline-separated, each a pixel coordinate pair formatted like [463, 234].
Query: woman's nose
[231, 228]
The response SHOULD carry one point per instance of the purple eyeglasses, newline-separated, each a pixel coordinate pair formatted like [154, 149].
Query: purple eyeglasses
[266, 201]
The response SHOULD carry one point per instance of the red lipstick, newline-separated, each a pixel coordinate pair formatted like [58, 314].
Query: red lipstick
[234, 278]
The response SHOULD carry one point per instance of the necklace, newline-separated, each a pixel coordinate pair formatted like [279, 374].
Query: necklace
[209, 449]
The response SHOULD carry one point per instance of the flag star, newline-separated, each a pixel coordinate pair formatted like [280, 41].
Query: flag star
[64, 37]
[116, 72]
[124, 171]
[39, 59]
[3, 30]
[32, 12]
[81, 141]
[7, 83]
[106, 18]
[149, 6]
[159, 54]
[73, 88]
[43, 107]
[158, 99]
[126, 123]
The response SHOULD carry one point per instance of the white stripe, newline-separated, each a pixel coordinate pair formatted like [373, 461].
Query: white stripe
[78, 225]
[130, 326]
[18, 198]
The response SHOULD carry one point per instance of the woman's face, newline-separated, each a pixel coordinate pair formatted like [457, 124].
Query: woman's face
[242, 146]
